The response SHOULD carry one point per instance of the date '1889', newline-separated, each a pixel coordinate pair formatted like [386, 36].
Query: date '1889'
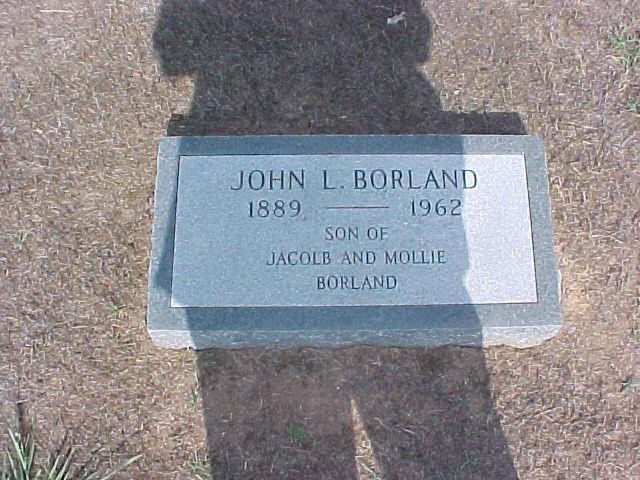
[277, 208]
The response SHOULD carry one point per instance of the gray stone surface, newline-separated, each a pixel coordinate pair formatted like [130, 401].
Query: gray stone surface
[352, 230]
[210, 284]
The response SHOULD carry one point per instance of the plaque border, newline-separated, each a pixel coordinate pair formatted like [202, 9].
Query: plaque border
[535, 286]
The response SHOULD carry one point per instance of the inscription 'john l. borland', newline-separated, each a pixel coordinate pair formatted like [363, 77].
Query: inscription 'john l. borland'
[376, 179]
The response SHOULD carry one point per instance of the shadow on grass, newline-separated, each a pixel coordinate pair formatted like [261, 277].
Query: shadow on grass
[341, 67]
[402, 413]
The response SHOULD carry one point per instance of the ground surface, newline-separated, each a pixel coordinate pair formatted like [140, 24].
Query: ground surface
[83, 101]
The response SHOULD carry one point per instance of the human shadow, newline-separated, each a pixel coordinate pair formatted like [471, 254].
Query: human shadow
[338, 67]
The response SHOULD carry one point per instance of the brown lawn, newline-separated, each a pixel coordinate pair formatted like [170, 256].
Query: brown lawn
[84, 99]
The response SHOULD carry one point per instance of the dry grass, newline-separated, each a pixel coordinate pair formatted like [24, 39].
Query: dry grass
[20, 462]
[82, 104]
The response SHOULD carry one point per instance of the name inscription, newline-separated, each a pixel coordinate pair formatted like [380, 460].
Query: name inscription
[304, 230]
[377, 179]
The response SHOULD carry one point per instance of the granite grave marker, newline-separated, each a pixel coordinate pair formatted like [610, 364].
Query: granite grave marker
[335, 240]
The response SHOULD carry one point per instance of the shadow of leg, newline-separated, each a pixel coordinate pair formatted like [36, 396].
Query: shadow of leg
[275, 414]
[359, 412]
[428, 413]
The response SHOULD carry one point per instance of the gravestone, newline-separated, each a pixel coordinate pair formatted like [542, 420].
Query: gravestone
[336, 240]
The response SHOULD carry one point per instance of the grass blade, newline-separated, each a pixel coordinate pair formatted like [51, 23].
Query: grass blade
[52, 471]
[118, 469]
[22, 467]
[62, 475]
[32, 450]
[17, 446]
[13, 465]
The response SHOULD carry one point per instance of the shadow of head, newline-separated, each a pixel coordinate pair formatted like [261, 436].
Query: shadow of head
[300, 66]
[192, 34]
[307, 67]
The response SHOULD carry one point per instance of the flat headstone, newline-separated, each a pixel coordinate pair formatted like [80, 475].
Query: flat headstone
[335, 240]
